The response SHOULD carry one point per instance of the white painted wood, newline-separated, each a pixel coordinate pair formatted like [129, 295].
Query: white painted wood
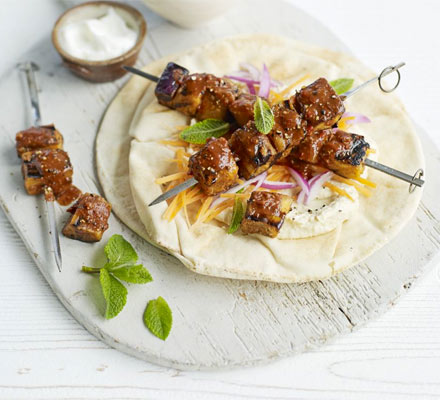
[41, 355]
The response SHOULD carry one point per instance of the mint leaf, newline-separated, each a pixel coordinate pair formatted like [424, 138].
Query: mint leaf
[115, 294]
[133, 274]
[342, 85]
[200, 132]
[158, 318]
[263, 116]
[237, 215]
[119, 252]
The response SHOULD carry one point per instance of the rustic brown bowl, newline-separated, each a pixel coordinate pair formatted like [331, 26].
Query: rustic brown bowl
[106, 70]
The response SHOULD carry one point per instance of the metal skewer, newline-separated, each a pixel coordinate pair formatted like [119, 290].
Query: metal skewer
[386, 71]
[29, 68]
[413, 180]
[136, 71]
[175, 190]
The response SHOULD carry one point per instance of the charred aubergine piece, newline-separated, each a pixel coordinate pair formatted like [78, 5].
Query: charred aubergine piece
[319, 105]
[256, 152]
[214, 166]
[201, 96]
[38, 138]
[89, 219]
[341, 152]
[265, 213]
[49, 168]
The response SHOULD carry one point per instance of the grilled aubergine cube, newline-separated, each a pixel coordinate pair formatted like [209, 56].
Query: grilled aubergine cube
[89, 219]
[345, 154]
[341, 152]
[242, 109]
[265, 213]
[319, 104]
[217, 97]
[253, 150]
[170, 80]
[46, 168]
[288, 129]
[202, 96]
[38, 138]
[214, 166]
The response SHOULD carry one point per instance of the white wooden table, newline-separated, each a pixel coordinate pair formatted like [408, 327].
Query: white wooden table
[45, 354]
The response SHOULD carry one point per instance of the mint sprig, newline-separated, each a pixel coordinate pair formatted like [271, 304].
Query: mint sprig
[121, 266]
[158, 318]
[237, 215]
[201, 131]
[115, 294]
[263, 116]
[119, 252]
[340, 86]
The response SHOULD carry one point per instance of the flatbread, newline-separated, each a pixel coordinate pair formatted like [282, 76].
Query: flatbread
[128, 179]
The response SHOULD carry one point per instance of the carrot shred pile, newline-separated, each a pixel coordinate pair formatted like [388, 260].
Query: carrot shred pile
[342, 123]
[338, 190]
[289, 88]
[359, 188]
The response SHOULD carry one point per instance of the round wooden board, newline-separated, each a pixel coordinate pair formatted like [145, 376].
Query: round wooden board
[218, 323]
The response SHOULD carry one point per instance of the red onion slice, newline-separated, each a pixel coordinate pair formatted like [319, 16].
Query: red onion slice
[242, 79]
[235, 189]
[264, 83]
[316, 184]
[276, 185]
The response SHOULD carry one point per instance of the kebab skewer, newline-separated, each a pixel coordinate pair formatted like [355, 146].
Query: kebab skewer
[204, 96]
[49, 139]
[255, 152]
[47, 169]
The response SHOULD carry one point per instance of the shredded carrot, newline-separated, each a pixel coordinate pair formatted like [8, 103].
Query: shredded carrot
[204, 208]
[275, 97]
[180, 143]
[287, 90]
[358, 187]
[365, 182]
[232, 195]
[340, 191]
[216, 211]
[171, 177]
[185, 209]
[174, 207]
[342, 123]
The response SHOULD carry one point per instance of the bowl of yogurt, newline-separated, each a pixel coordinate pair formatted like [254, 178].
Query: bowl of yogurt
[97, 38]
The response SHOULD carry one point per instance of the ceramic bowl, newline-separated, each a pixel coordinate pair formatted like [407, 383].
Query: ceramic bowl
[190, 13]
[106, 70]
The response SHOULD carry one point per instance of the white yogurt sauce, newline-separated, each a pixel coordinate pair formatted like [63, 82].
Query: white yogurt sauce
[98, 39]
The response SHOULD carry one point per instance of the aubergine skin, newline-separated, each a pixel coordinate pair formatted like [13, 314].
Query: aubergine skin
[169, 81]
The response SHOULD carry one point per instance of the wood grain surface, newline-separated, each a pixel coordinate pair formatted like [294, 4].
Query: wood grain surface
[46, 354]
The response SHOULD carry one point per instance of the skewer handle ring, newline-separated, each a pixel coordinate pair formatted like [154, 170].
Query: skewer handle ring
[386, 72]
[418, 174]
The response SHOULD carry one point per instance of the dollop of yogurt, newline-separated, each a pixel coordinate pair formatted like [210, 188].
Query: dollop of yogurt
[98, 39]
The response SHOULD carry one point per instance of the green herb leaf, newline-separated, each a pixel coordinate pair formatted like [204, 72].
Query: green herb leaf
[263, 116]
[200, 132]
[237, 215]
[342, 85]
[158, 318]
[133, 274]
[115, 294]
[119, 252]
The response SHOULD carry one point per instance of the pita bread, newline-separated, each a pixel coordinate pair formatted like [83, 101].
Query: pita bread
[127, 170]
